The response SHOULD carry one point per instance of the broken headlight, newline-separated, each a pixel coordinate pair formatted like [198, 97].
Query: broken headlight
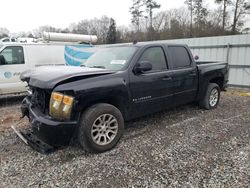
[60, 106]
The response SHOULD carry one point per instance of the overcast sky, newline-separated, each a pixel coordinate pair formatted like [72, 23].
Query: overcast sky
[26, 15]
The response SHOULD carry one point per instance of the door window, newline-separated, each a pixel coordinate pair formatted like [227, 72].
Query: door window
[180, 57]
[156, 57]
[13, 55]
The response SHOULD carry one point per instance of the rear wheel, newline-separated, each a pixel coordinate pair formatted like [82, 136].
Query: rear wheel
[211, 98]
[101, 128]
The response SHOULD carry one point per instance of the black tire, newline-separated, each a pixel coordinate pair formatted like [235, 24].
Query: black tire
[205, 102]
[89, 117]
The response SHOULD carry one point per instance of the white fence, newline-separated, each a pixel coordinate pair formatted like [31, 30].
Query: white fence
[233, 49]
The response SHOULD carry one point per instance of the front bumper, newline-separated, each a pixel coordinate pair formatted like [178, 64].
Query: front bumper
[54, 133]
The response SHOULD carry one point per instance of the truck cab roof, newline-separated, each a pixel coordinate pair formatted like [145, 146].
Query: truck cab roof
[143, 44]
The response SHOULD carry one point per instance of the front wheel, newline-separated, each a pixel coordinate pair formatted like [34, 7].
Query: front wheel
[101, 127]
[211, 98]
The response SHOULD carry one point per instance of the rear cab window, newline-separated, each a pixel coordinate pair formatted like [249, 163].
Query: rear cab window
[180, 57]
[13, 55]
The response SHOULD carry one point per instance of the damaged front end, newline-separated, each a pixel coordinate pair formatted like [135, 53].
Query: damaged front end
[46, 133]
[51, 111]
[32, 140]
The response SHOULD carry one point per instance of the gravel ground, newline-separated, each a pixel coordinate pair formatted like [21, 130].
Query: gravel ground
[184, 147]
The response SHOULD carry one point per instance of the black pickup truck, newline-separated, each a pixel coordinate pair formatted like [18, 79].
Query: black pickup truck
[115, 84]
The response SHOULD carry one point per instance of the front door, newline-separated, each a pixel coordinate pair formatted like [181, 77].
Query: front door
[151, 91]
[11, 70]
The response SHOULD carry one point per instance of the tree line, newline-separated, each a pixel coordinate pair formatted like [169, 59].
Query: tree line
[195, 19]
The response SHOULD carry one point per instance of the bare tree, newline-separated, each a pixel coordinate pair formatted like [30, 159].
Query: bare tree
[96, 26]
[137, 13]
[123, 34]
[101, 27]
[189, 3]
[112, 33]
[225, 3]
[150, 6]
[194, 21]
[241, 9]
[158, 21]
[200, 13]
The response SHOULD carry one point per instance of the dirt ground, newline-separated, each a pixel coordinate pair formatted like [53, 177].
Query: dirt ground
[182, 147]
[10, 112]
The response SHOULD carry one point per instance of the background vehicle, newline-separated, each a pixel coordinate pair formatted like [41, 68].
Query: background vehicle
[118, 84]
[8, 39]
[18, 57]
[18, 40]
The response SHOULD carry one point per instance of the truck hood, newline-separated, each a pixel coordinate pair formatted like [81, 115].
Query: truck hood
[47, 77]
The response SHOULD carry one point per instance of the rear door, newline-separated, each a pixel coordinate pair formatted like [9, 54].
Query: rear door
[152, 91]
[185, 75]
[11, 70]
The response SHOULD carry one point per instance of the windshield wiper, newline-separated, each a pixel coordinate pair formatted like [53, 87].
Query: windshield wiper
[101, 67]
[82, 65]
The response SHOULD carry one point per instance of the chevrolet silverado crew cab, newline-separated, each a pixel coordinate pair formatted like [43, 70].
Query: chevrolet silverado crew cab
[116, 84]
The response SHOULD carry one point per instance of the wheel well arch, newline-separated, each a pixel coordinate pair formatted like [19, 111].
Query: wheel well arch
[116, 101]
[218, 80]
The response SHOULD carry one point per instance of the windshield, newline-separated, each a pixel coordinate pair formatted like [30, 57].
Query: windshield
[114, 58]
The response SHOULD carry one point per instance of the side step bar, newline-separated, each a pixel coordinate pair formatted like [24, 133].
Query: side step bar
[34, 142]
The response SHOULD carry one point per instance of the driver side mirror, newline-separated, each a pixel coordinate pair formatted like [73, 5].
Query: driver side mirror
[2, 60]
[143, 66]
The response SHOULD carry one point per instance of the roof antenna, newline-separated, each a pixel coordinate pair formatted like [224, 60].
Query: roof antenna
[135, 42]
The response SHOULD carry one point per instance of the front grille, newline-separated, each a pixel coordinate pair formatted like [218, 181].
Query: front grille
[40, 99]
